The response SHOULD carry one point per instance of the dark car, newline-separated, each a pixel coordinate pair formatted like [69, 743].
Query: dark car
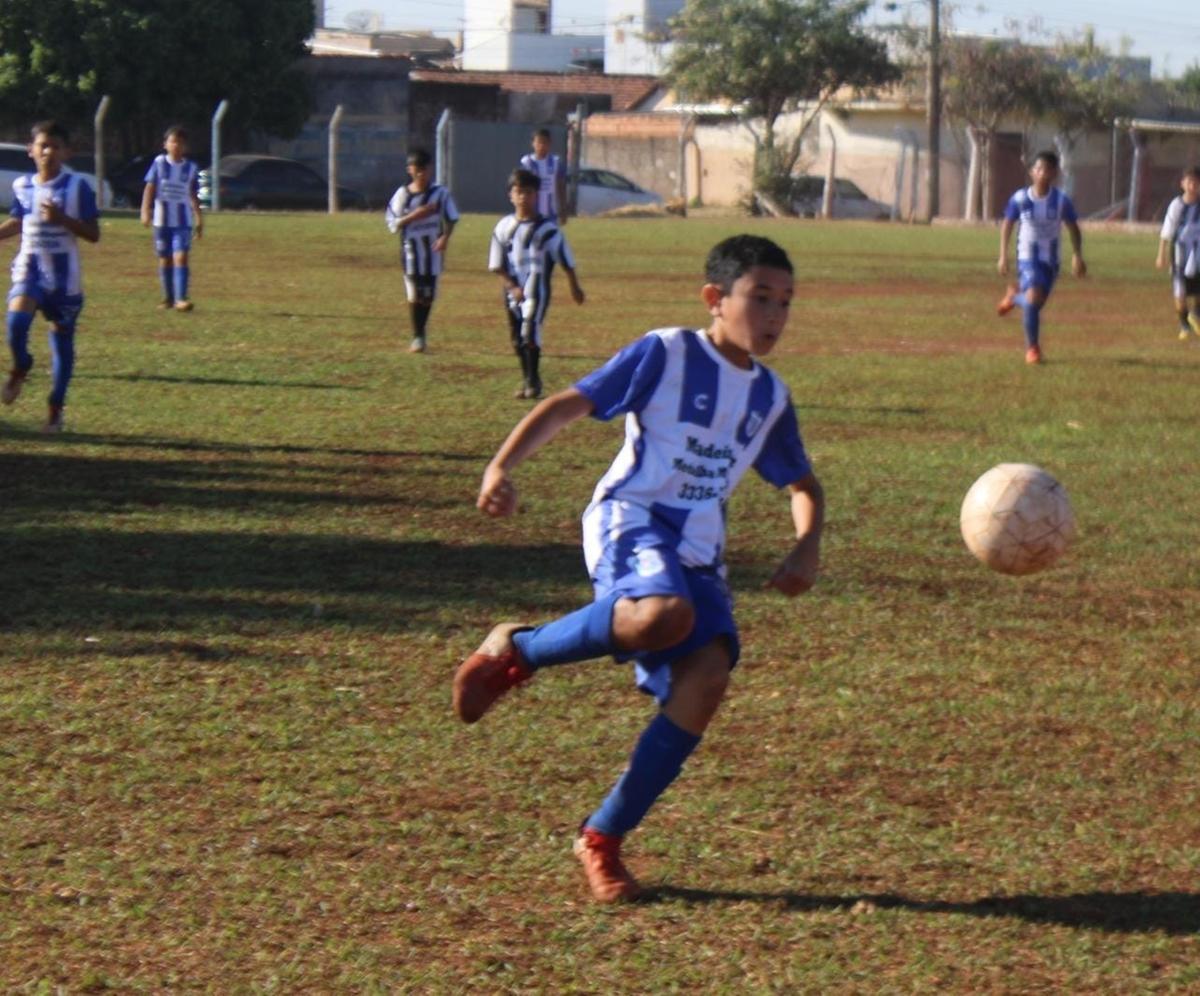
[269, 182]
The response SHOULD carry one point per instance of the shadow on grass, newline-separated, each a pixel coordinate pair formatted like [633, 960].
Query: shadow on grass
[1121, 912]
[222, 381]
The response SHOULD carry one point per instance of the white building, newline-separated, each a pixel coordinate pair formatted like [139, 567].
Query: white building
[515, 35]
[636, 38]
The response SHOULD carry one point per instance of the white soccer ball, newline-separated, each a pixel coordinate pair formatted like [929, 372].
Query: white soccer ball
[1017, 519]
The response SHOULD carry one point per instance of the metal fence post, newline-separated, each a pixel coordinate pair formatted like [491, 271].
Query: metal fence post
[334, 123]
[214, 171]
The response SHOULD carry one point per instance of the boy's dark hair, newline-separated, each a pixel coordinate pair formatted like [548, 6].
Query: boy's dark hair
[51, 129]
[729, 259]
[176, 131]
[1193, 172]
[523, 179]
[542, 133]
[419, 157]
[1048, 157]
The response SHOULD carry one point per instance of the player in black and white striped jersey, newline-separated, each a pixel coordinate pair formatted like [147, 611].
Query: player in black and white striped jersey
[525, 249]
[424, 214]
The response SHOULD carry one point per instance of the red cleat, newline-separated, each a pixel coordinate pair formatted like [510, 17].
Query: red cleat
[488, 673]
[1033, 355]
[608, 878]
[1006, 303]
[12, 387]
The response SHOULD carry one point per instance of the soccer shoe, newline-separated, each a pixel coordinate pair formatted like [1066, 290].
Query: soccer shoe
[521, 392]
[1033, 355]
[166, 304]
[183, 306]
[417, 345]
[607, 876]
[1006, 304]
[54, 420]
[12, 387]
[1185, 335]
[488, 673]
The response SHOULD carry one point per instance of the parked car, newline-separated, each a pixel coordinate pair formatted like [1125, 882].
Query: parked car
[808, 193]
[15, 161]
[602, 190]
[269, 182]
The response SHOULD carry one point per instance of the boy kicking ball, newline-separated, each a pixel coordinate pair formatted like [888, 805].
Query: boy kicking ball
[699, 412]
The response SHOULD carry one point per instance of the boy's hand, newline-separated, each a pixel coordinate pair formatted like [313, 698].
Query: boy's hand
[497, 495]
[440, 243]
[1002, 266]
[517, 294]
[577, 294]
[1078, 266]
[145, 220]
[1161, 262]
[198, 228]
[798, 571]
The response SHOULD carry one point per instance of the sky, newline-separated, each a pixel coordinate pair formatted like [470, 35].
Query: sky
[1168, 31]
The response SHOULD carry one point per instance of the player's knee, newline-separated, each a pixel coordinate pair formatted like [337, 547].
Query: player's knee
[661, 622]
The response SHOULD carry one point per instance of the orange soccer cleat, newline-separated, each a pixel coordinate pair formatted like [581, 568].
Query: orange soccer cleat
[1006, 303]
[607, 876]
[488, 673]
[1033, 355]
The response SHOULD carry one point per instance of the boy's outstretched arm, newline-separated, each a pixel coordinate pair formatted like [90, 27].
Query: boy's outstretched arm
[1006, 228]
[1078, 266]
[797, 573]
[577, 294]
[497, 494]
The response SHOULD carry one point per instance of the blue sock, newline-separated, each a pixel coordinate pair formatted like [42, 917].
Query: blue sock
[1032, 324]
[166, 274]
[656, 761]
[580, 636]
[62, 351]
[19, 323]
[181, 282]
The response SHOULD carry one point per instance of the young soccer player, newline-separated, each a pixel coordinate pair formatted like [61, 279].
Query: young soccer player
[525, 248]
[1042, 210]
[1181, 238]
[424, 214]
[51, 210]
[171, 203]
[699, 412]
[551, 172]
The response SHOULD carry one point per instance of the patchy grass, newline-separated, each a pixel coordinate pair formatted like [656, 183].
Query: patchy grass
[235, 593]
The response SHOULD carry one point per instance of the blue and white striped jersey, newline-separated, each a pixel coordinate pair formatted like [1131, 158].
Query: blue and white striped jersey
[1040, 225]
[527, 251]
[548, 171]
[175, 184]
[1181, 227]
[418, 237]
[49, 253]
[694, 424]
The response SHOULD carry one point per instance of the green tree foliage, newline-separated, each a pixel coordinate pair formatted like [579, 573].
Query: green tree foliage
[768, 57]
[159, 60]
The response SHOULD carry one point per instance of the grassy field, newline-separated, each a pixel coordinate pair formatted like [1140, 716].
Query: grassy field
[235, 592]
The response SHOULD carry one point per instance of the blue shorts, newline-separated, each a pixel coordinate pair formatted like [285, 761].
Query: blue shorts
[168, 241]
[1035, 274]
[59, 308]
[644, 561]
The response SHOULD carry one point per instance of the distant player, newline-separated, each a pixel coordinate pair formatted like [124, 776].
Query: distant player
[551, 172]
[700, 411]
[1042, 210]
[1181, 238]
[171, 204]
[51, 210]
[524, 251]
[424, 214]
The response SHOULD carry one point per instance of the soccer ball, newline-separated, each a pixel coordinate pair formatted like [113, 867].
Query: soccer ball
[1017, 519]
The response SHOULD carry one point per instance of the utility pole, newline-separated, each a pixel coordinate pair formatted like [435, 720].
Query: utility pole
[933, 109]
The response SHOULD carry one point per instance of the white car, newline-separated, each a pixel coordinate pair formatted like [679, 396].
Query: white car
[601, 190]
[849, 201]
[15, 161]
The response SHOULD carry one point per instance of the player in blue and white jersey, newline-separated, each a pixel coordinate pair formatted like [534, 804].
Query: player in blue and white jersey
[1041, 210]
[171, 203]
[551, 172]
[1180, 239]
[524, 250]
[700, 411]
[51, 210]
[424, 213]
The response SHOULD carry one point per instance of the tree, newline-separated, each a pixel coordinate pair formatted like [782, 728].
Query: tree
[159, 60]
[772, 56]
